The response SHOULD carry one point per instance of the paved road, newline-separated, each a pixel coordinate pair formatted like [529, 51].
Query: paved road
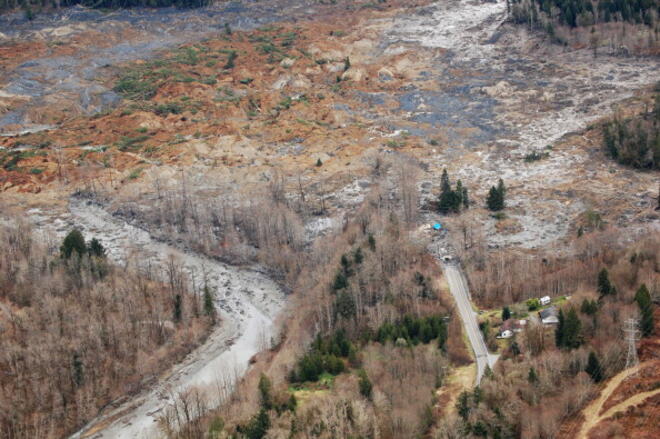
[459, 289]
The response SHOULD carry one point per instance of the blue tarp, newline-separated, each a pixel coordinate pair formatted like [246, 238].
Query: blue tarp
[437, 226]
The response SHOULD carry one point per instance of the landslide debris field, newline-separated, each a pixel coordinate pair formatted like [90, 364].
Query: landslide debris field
[313, 104]
[237, 95]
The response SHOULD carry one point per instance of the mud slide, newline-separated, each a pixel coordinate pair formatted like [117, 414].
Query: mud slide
[247, 302]
[592, 414]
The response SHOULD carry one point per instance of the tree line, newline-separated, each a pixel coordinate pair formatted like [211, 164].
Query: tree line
[78, 332]
[635, 141]
[31, 6]
[574, 13]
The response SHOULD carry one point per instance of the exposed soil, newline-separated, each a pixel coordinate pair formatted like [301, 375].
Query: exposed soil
[316, 93]
[486, 93]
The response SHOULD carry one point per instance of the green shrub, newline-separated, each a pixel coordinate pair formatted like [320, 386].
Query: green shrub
[126, 143]
[135, 174]
[135, 86]
[533, 304]
[231, 59]
[364, 384]
[167, 108]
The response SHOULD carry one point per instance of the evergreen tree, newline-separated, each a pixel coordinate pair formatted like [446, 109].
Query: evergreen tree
[605, 287]
[178, 311]
[477, 395]
[572, 330]
[442, 335]
[258, 426]
[358, 257]
[265, 392]
[77, 366]
[231, 60]
[451, 200]
[494, 201]
[515, 349]
[559, 331]
[466, 199]
[463, 405]
[346, 265]
[340, 281]
[589, 307]
[372, 242]
[364, 384]
[345, 305]
[532, 377]
[209, 308]
[501, 189]
[73, 242]
[593, 368]
[95, 248]
[480, 429]
[445, 184]
[643, 299]
[459, 193]
[506, 313]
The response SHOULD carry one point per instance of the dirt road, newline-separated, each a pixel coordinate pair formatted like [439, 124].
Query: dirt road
[592, 414]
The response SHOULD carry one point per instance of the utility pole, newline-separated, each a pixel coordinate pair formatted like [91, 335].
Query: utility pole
[632, 335]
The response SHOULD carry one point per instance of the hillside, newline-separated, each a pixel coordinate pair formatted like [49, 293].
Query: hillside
[347, 218]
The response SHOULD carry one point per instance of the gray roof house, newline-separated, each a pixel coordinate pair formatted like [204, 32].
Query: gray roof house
[549, 315]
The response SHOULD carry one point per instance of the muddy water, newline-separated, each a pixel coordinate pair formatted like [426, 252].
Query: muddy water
[247, 302]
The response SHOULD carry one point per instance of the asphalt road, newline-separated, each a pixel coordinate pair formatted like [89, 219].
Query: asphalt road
[459, 289]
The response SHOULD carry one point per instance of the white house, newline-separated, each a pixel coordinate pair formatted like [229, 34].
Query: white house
[545, 300]
[511, 327]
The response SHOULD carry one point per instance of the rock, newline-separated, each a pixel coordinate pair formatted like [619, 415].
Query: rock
[281, 82]
[354, 74]
[334, 67]
[313, 71]
[497, 90]
[287, 63]
[301, 82]
[385, 75]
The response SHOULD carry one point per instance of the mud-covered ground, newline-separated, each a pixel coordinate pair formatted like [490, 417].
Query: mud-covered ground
[449, 83]
[56, 66]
